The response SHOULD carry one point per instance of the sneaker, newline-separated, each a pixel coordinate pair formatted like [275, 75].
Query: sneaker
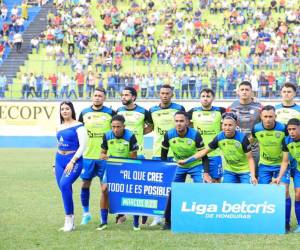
[69, 224]
[136, 228]
[102, 226]
[166, 226]
[120, 219]
[287, 228]
[156, 221]
[297, 230]
[86, 219]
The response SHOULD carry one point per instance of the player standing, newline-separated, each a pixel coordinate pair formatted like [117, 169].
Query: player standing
[270, 135]
[162, 120]
[97, 120]
[207, 120]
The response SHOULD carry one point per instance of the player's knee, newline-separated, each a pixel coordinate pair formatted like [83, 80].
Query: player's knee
[86, 184]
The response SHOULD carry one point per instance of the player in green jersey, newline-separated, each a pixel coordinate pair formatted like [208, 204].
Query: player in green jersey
[287, 109]
[236, 149]
[96, 120]
[184, 142]
[207, 120]
[118, 142]
[162, 120]
[291, 145]
[137, 118]
[269, 134]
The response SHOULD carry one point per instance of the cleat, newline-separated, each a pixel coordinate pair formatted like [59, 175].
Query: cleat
[156, 221]
[69, 224]
[166, 226]
[297, 230]
[136, 228]
[102, 226]
[120, 219]
[86, 219]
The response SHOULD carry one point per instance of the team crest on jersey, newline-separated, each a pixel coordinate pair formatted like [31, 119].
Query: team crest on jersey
[111, 142]
[125, 143]
[189, 142]
[277, 135]
[199, 115]
[174, 141]
[261, 136]
[61, 139]
[237, 144]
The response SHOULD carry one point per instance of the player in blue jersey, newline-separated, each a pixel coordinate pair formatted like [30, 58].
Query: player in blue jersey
[291, 145]
[207, 120]
[72, 138]
[269, 134]
[97, 120]
[119, 142]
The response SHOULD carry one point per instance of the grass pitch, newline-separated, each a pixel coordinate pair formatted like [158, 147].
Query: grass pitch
[31, 213]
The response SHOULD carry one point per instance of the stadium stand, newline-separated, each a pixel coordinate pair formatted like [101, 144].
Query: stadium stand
[188, 44]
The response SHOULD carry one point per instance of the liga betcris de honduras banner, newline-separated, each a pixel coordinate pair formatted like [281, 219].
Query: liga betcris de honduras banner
[228, 208]
[139, 186]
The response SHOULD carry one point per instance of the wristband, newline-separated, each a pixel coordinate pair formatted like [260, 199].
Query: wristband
[190, 160]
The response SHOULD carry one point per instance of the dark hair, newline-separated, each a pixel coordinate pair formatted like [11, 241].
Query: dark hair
[119, 118]
[101, 90]
[70, 104]
[268, 108]
[229, 115]
[166, 86]
[131, 90]
[245, 83]
[208, 90]
[294, 121]
[181, 112]
[289, 85]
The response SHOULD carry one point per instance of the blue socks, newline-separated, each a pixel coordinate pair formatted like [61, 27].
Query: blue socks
[103, 215]
[288, 207]
[297, 211]
[136, 220]
[85, 198]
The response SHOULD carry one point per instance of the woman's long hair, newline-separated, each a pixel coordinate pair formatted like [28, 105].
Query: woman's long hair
[70, 104]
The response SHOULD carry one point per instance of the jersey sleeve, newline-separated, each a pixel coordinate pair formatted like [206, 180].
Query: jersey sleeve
[214, 143]
[199, 142]
[246, 145]
[104, 143]
[284, 146]
[133, 145]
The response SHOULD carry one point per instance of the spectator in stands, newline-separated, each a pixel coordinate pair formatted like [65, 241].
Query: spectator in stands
[65, 83]
[80, 82]
[24, 8]
[53, 79]
[18, 41]
[3, 85]
[32, 86]
[35, 44]
[39, 85]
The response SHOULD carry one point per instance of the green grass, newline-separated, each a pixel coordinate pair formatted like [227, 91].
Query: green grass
[31, 212]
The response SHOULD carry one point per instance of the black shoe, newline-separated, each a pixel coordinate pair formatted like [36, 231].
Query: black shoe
[166, 226]
[102, 226]
[287, 228]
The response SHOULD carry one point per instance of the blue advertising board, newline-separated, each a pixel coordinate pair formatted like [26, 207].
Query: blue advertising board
[228, 208]
[139, 186]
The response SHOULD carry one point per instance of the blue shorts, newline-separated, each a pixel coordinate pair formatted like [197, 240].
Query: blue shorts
[215, 167]
[141, 157]
[92, 168]
[231, 177]
[266, 173]
[195, 172]
[155, 158]
[295, 174]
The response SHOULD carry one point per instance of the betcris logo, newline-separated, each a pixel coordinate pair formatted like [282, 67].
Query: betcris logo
[228, 208]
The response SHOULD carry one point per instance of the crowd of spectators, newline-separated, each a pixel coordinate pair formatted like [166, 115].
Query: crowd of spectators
[256, 40]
